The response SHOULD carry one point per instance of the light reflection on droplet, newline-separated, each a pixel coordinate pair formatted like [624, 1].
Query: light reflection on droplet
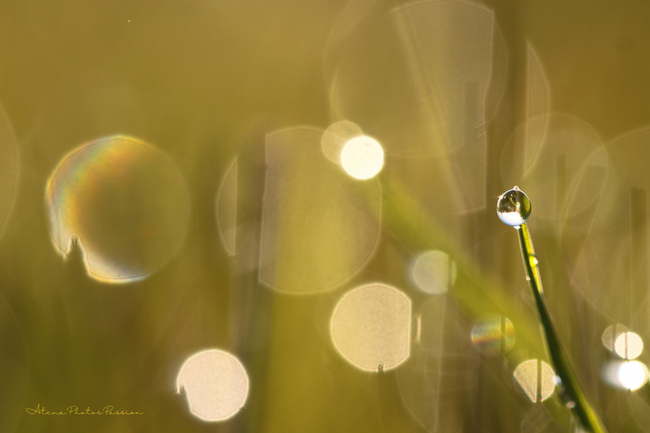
[362, 157]
[123, 202]
[494, 335]
[216, 384]
[630, 375]
[536, 379]
[434, 272]
[371, 327]
[227, 208]
[335, 137]
[513, 207]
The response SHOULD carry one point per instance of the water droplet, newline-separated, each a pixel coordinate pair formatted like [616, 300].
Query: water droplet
[513, 207]
[125, 203]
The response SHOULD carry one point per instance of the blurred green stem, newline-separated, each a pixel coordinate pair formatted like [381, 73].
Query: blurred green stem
[572, 390]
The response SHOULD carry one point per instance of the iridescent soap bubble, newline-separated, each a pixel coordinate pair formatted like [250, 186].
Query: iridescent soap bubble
[123, 202]
[513, 207]
[215, 383]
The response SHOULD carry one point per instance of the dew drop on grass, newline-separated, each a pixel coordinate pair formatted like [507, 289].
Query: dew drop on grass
[513, 207]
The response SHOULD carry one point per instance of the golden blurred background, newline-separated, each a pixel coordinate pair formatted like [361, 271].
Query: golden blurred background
[279, 216]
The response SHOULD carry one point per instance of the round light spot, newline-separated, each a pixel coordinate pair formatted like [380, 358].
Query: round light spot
[123, 202]
[335, 221]
[434, 272]
[362, 157]
[494, 335]
[335, 137]
[633, 375]
[371, 327]
[536, 378]
[215, 383]
[628, 345]
[630, 375]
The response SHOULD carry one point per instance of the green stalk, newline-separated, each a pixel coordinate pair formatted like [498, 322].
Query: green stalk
[583, 410]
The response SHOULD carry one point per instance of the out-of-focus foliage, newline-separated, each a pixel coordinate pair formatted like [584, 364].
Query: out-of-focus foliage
[247, 103]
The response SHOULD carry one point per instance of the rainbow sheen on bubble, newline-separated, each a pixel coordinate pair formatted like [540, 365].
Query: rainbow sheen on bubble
[494, 335]
[123, 203]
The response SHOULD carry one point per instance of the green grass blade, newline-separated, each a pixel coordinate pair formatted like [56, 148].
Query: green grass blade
[581, 406]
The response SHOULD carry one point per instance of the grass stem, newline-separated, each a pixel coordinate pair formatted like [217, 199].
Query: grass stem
[574, 396]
